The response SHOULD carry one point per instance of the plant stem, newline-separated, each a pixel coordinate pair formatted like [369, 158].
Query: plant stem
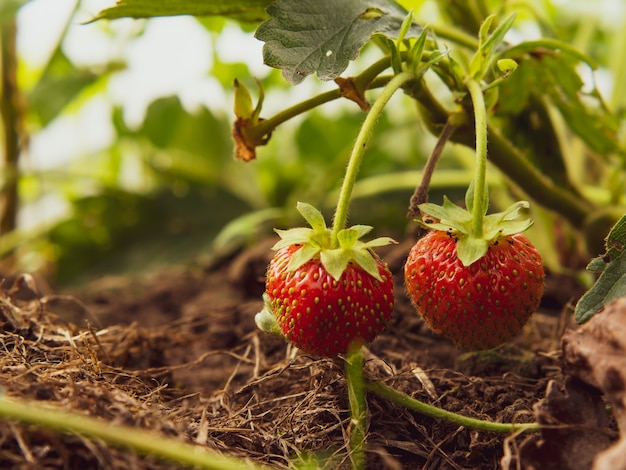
[358, 150]
[480, 200]
[10, 113]
[420, 195]
[121, 436]
[358, 408]
[406, 401]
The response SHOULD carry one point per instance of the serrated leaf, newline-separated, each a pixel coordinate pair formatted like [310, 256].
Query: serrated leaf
[303, 37]
[242, 10]
[611, 284]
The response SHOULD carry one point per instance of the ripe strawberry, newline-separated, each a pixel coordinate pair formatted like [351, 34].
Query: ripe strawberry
[481, 305]
[326, 300]
[324, 316]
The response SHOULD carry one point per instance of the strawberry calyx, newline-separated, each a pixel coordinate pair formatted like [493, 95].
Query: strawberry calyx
[334, 252]
[472, 244]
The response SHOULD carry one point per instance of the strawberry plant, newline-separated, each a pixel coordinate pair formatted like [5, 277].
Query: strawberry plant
[508, 120]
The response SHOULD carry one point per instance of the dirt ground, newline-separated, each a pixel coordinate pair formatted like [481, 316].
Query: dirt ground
[177, 352]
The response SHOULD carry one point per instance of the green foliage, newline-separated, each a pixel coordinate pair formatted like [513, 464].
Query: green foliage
[305, 39]
[611, 284]
[546, 121]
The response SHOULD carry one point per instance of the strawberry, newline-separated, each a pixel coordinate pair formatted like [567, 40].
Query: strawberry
[326, 301]
[478, 297]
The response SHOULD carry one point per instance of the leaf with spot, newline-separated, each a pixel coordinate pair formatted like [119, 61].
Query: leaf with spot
[303, 37]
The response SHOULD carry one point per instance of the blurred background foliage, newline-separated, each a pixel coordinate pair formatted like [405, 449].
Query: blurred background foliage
[162, 185]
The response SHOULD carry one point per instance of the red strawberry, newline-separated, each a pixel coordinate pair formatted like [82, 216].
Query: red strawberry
[326, 300]
[324, 316]
[481, 305]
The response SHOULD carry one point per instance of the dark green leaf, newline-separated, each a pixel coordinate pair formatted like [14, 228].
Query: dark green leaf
[241, 10]
[322, 36]
[554, 74]
[611, 284]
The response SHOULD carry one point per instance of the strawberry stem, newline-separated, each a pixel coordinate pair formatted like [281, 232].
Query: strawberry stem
[406, 401]
[358, 408]
[480, 197]
[358, 150]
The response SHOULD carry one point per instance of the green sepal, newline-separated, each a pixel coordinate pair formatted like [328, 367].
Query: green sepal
[470, 249]
[504, 223]
[292, 236]
[266, 320]
[380, 241]
[317, 241]
[459, 223]
[244, 107]
[449, 214]
[302, 256]
[312, 216]
[335, 261]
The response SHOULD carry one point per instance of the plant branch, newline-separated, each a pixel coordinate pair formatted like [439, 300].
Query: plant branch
[121, 436]
[358, 149]
[406, 401]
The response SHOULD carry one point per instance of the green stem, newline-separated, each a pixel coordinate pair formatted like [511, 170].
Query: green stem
[368, 78]
[406, 401]
[358, 408]
[480, 189]
[12, 125]
[143, 441]
[358, 150]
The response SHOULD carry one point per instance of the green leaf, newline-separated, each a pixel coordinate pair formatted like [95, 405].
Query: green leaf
[241, 10]
[488, 44]
[552, 75]
[611, 284]
[60, 84]
[322, 36]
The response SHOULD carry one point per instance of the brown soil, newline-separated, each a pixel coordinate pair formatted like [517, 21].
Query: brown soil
[178, 353]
